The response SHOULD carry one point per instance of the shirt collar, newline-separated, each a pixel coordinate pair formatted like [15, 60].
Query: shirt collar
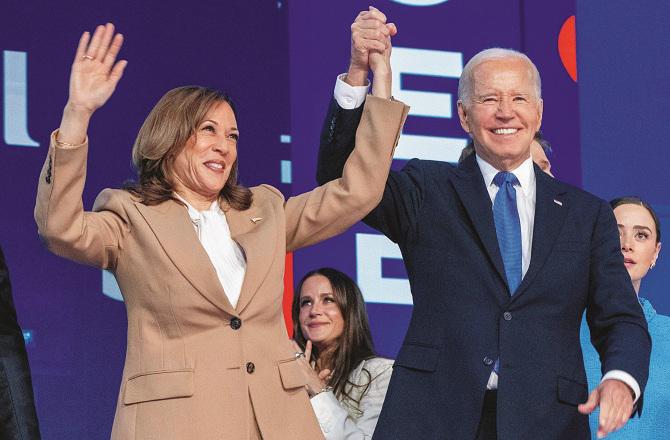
[194, 213]
[524, 173]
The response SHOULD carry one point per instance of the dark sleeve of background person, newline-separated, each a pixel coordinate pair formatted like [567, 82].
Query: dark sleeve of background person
[18, 418]
[338, 139]
[466, 151]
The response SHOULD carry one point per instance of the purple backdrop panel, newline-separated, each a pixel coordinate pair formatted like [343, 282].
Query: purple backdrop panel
[76, 334]
[428, 56]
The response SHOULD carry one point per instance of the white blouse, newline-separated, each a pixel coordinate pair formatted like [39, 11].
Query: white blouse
[226, 255]
[340, 420]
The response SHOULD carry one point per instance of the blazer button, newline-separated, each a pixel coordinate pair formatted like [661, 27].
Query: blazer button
[235, 323]
[488, 361]
[251, 367]
[507, 316]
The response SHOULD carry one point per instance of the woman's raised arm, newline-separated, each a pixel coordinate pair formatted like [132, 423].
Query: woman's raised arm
[94, 76]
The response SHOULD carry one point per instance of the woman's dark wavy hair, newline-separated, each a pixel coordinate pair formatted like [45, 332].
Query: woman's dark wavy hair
[170, 124]
[634, 200]
[355, 344]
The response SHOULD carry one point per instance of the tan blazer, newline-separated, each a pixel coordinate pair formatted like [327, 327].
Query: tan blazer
[197, 368]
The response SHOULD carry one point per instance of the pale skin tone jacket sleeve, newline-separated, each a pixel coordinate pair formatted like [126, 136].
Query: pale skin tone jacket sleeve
[95, 238]
[92, 238]
[332, 208]
[336, 424]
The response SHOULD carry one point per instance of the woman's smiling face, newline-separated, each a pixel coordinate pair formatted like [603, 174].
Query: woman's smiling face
[202, 167]
[321, 320]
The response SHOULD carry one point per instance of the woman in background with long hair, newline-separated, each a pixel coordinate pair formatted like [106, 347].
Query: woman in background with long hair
[347, 380]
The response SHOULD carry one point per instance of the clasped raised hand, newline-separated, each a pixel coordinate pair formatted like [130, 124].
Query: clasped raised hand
[370, 36]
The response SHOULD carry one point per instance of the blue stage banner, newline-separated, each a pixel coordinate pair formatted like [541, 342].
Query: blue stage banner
[624, 107]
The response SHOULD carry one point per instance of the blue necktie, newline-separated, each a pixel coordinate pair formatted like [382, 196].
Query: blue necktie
[508, 231]
[508, 227]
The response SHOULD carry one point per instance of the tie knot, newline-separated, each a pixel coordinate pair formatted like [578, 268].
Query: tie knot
[505, 177]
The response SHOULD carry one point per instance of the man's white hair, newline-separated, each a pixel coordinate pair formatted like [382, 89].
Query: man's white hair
[465, 86]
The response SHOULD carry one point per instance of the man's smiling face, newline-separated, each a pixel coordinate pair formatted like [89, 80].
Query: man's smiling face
[503, 113]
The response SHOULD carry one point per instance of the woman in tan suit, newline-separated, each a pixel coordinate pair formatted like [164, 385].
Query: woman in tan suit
[199, 258]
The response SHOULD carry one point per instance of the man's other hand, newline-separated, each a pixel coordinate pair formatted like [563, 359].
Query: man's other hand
[615, 399]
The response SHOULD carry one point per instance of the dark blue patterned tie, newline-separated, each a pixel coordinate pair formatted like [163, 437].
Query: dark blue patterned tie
[508, 231]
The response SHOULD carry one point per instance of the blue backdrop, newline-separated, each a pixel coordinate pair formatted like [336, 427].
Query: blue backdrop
[624, 109]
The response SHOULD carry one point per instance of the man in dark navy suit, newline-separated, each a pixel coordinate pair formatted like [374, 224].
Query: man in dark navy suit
[502, 261]
[18, 419]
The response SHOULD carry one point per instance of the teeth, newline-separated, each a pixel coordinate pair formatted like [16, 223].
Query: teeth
[214, 165]
[505, 130]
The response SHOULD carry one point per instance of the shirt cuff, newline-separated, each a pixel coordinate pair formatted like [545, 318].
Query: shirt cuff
[325, 405]
[625, 378]
[349, 97]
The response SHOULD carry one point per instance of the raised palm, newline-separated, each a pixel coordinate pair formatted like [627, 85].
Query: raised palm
[95, 72]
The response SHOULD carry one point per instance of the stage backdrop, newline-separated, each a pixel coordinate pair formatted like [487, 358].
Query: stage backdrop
[76, 331]
[279, 61]
[435, 39]
[624, 110]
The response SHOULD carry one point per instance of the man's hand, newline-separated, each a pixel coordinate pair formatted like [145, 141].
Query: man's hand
[369, 32]
[615, 399]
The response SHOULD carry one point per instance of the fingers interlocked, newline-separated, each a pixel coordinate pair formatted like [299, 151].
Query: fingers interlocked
[371, 32]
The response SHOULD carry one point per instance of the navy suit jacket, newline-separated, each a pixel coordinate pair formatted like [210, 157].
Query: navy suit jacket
[464, 316]
[18, 419]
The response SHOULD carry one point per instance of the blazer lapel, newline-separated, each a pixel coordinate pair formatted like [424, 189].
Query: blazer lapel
[174, 230]
[255, 232]
[551, 207]
[473, 194]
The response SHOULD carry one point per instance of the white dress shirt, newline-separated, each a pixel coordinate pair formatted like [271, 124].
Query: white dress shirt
[347, 97]
[226, 255]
